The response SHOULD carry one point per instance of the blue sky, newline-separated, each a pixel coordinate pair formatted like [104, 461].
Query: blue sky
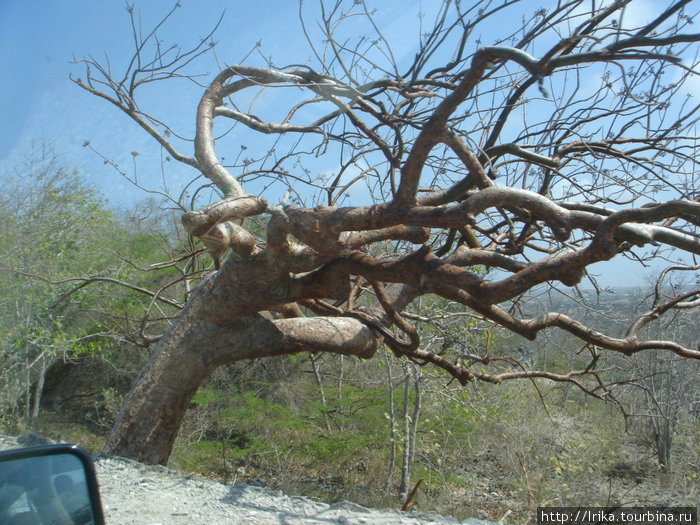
[41, 103]
[39, 38]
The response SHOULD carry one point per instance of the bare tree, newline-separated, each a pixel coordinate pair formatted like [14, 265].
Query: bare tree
[664, 393]
[568, 142]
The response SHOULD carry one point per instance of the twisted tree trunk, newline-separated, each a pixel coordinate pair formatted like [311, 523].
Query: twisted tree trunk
[196, 345]
[415, 139]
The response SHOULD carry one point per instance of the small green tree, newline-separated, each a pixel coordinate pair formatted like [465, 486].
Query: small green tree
[55, 232]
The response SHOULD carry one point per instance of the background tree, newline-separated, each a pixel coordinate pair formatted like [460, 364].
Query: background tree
[49, 219]
[567, 142]
[668, 396]
[59, 240]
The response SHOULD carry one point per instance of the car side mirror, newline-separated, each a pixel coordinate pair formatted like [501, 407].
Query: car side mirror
[53, 484]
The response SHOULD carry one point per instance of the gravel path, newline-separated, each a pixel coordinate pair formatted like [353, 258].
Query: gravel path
[133, 493]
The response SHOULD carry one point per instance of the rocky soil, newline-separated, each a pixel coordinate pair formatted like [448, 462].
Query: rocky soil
[133, 493]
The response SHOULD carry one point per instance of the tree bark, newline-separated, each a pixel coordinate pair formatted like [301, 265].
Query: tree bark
[406, 458]
[195, 346]
[415, 418]
[664, 438]
[392, 430]
[319, 382]
[39, 388]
